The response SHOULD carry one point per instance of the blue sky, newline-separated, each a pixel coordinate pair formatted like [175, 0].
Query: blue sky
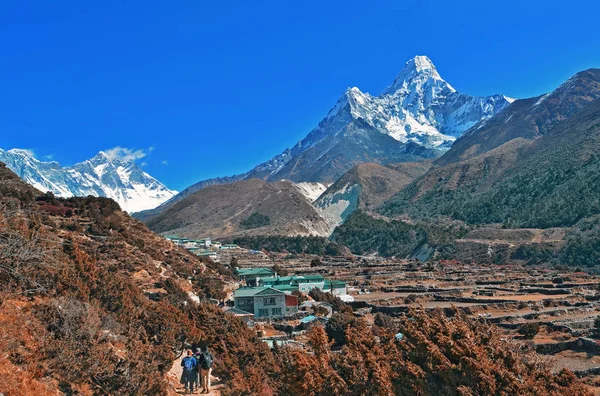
[198, 89]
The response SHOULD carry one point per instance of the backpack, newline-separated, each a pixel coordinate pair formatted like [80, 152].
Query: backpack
[189, 363]
[206, 360]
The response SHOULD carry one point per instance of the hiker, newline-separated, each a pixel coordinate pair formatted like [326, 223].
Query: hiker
[205, 364]
[189, 376]
[198, 357]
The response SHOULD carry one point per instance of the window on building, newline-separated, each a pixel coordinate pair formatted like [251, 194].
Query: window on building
[276, 311]
[269, 301]
[263, 312]
[241, 302]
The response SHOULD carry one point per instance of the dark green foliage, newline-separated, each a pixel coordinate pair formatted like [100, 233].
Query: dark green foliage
[555, 197]
[337, 326]
[297, 245]
[279, 270]
[529, 330]
[255, 220]
[364, 234]
[583, 244]
[534, 254]
[555, 182]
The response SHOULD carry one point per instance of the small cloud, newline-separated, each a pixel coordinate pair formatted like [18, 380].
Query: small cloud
[49, 157]
[127, 154]
[164, 162]
[143, 164]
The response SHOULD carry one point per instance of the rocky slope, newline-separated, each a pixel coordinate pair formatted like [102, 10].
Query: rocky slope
[365, 187]
[218, 211]
[527, 118]
[99, 176]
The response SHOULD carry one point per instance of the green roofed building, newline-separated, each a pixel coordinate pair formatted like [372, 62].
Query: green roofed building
[251, 275]
[287, 289]
[263, 302]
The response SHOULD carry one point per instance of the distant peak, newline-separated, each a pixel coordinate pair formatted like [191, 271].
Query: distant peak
[101, 156]
[420, 68]
[27, 153]
[420, 63]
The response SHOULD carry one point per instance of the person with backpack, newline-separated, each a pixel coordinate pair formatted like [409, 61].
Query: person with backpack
[189, 376]
[205, 363]
[198, 357]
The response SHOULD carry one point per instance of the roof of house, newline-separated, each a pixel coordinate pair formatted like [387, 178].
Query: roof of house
[286, 287]
[254, 271]
[278, 280]
[311, 318]
[311, 278]
[256, 291]
[294, 279]
[237, 311]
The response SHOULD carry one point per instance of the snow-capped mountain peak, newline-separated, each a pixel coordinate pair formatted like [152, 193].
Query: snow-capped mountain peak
[417, 73]
[420, 110]
[121, 180]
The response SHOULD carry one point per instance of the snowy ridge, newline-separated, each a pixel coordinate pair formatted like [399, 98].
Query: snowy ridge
[419, 107]
[100, 176]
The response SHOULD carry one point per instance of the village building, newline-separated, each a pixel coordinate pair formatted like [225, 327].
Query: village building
[263, 302]
[304, 284]
[252, 275]
[229, 246]
[291, 304]
[206, 242]
[245, 316]
[311, 320]
[206, 253]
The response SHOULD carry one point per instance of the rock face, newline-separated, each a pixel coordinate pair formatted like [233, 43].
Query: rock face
[224, 210]
[99, 176]
[366, 186]
[527, 118]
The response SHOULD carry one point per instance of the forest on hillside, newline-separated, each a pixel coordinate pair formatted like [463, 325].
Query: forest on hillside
[364, 234]
[291, 244]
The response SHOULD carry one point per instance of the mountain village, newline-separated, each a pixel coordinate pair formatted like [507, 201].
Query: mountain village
[263, 294]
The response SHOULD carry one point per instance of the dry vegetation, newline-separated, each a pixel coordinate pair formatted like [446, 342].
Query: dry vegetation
[93, 303]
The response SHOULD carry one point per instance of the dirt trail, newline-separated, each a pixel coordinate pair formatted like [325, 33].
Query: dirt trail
[176, 388]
